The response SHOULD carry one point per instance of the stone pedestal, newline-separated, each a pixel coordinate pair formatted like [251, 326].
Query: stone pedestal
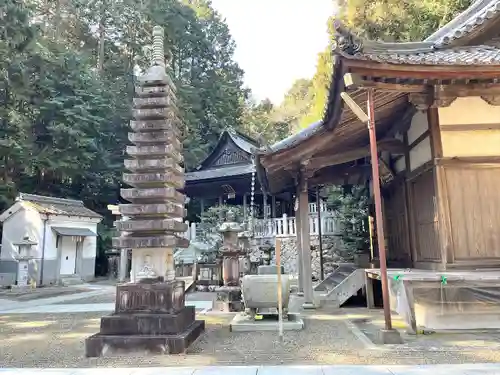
[150, 316]
[228, 299]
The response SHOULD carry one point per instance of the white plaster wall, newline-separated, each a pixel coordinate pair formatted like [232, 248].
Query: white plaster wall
[16, 227]
[469, 110]
[400, 164]
[89, 243]
[418, 126]
[420, 154]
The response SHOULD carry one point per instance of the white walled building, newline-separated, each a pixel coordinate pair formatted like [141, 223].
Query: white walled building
[65, 232]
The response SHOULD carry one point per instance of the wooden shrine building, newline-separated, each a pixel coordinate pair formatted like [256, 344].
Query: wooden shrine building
[437, 111]
[226, 175]
[436, 105]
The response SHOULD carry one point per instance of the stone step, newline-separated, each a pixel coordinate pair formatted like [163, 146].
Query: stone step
[71, 280]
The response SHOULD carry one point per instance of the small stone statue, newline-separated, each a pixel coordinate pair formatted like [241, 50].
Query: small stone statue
[146, 271]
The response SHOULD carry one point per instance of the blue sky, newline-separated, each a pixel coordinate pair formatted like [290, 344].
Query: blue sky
[277, 40]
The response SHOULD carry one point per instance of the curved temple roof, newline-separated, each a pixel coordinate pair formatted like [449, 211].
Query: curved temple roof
[472, 38]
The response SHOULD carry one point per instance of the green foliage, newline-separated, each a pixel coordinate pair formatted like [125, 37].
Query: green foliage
[394, 20]
[350, 204]
[67, 82]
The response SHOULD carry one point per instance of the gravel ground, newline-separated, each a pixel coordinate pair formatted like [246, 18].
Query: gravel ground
[57, 340]
[39, 293]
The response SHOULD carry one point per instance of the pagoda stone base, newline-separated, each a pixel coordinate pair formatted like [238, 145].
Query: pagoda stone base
[148, 316]
[229, 299]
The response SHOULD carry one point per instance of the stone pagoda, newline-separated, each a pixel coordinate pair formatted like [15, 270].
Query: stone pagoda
[150, 313]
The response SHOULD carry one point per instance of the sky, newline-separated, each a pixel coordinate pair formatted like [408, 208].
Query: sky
[277, 41]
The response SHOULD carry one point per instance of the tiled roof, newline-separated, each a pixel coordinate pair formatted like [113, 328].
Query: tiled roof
[469, 21]
[477, 55]
[207, 174]
[56, 206]
[437, 49]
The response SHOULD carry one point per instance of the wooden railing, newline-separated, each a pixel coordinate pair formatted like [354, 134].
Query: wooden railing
[284, 226]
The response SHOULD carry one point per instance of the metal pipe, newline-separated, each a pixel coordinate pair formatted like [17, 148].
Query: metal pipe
[320, 235]
[378, 209]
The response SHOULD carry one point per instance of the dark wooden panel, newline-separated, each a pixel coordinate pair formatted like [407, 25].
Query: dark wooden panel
[396, 223]
[474, 199]
[425, 218]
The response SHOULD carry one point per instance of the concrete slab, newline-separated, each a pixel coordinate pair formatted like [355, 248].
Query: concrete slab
[464, 369]
[288, 370]
[243, 323]
[219, 370]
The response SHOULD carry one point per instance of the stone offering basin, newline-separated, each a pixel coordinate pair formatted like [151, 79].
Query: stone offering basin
[261, 291]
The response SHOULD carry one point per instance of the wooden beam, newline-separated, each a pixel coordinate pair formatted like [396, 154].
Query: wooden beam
[353, 80]
[419, 139]
[468, 127]
[471, 89]
[394, 146]
[435, 133]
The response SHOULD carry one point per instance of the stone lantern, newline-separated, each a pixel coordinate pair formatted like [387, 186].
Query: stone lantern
[24, 256]
[229, 295]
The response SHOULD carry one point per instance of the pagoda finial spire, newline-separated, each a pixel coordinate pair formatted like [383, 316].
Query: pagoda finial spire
[158, 49]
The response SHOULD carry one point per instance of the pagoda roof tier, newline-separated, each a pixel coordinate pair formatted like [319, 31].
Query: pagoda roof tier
[160, 210]
[154, 113]
[148, 165]
[155, 125]
[165, 136]
[158, 194]
[169, 151]
[129, 242]
[154, 179]
[151, 225]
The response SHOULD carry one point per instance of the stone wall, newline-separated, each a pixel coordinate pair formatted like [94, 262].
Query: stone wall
[333, 253]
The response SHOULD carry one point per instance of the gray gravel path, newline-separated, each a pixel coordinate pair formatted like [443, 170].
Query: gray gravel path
[57, 340]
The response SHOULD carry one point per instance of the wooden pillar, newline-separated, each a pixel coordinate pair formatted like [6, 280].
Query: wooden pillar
[202, 205]
[221, 200]
[298, 234]
[306, 244]
[245, 205]
[264, 205]
[273, 206]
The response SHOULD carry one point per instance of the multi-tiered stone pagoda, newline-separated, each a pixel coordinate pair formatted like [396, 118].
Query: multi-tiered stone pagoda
[150, 312]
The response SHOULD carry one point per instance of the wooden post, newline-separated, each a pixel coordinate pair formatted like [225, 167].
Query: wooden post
[273, 206]
[280, 296]
[378, 209]
[306, 243]
[298, 234]
[320, 237]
